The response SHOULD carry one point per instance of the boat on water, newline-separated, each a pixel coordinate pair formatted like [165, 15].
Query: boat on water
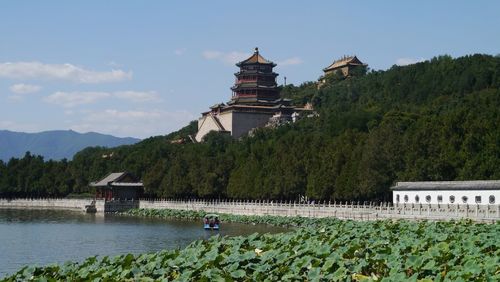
[211, 222]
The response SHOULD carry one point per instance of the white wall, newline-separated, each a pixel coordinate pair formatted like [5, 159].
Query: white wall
[205, 125]
[470, 194]
[77, 204]
[226, 120]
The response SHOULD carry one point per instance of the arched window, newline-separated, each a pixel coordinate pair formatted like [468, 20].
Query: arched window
[452, 199]
[478, 199]
[417, 199]
[428, 198]
[464, 199]
[406, 198]
[440, 198]
[492, 199]
[397, 198]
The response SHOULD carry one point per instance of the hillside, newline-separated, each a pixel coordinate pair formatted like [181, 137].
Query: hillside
[56, 145]
[435, 120]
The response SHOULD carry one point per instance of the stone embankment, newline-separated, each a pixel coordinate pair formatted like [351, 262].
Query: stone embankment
[342, 210]
[70, 204]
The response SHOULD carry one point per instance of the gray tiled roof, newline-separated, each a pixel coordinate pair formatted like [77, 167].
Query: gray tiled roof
[449, 185]
[113, 179]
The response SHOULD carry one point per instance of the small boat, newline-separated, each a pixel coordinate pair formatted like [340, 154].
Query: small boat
[211, 222]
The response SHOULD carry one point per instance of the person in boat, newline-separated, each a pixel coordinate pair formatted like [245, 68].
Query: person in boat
[216, 221]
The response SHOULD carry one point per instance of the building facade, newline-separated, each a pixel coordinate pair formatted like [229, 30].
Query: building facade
[254, 101]
[480, 192]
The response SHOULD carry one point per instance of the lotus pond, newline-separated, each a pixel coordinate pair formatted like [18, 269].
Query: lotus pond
[319, 250]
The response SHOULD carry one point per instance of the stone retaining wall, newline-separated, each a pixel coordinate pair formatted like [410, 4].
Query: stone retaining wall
[485, 213]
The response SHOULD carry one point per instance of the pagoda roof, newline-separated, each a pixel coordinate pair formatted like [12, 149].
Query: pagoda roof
[253, 85]
[345, 61]
[256, 72]
[256, 58]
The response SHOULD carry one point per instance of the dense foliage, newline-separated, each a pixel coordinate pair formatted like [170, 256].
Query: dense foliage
[338, 251]
[435, 120]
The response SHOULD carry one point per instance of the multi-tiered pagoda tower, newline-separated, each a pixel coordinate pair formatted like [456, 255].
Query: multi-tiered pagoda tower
[255, 101]
[255, 82]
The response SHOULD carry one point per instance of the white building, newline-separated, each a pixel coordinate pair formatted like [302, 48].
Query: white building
[480, 192]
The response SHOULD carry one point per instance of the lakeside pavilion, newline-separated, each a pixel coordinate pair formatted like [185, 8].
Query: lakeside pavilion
[118, 186]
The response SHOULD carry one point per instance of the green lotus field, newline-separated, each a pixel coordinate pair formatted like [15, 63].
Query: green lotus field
[317, 250]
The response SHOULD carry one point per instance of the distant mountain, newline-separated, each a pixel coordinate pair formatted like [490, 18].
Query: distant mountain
[56, 145]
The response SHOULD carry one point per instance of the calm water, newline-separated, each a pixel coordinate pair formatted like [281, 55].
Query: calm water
[41, 237]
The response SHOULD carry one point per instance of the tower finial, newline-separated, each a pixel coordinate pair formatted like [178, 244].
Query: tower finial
[256, 50]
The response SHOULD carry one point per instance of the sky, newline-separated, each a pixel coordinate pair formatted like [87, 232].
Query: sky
[147, 68]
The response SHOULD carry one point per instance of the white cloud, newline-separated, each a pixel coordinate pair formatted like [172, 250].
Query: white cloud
[137, 96]
[408, 61]
[72, 99]
[65, 72]
[22, 88]
[227, 58]
[180, 51]
[139, 123]
[290, 61]
[210, 55]
[16, 126]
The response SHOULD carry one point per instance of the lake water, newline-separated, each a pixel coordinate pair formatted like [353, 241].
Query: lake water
[41, 237]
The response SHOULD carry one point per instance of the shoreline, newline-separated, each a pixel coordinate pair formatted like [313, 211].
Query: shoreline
[340, 210]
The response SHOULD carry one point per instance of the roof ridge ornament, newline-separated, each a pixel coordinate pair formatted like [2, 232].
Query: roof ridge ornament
[256, 50]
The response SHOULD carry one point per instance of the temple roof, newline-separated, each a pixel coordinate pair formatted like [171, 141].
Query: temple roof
[351, 60]
[256, 58]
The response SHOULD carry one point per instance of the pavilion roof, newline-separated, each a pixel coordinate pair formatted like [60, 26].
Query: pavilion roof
[256, 58]
[114, 179]
[350, 60]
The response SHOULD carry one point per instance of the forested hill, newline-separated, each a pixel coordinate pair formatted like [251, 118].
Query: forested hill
[435, 120]
[55, 144]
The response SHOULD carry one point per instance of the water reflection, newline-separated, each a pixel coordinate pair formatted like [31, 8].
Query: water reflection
[54, 236]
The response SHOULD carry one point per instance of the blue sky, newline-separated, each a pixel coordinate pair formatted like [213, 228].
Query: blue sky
[145, 68]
